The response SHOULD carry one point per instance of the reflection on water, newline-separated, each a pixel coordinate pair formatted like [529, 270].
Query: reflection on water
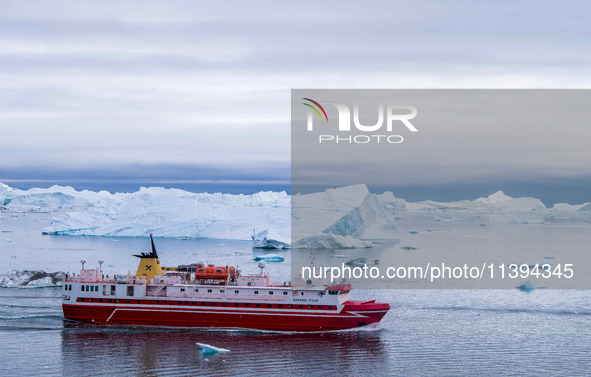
[89, 350]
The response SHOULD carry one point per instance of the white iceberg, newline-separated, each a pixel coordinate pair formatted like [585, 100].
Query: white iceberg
[207, 349]
[344, 217]
[4, 189]
[497, 197]
[368, 221]
[53, 198]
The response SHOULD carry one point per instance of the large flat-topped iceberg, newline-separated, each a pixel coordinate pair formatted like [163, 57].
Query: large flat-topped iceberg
[166, 212]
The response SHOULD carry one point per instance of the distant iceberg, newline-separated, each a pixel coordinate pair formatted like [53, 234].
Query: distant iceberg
[497, 197]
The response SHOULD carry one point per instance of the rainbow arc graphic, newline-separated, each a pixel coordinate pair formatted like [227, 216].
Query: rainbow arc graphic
[316, 107]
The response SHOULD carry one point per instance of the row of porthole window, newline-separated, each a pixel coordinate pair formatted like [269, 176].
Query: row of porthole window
[237, 291]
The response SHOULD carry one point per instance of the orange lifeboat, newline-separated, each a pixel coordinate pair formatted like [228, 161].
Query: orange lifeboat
[211, 272]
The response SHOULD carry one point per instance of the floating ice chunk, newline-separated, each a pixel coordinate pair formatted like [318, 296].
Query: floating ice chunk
[30, 278]
[362, 261]
[270, 258]
[207, 349]
[528, 286]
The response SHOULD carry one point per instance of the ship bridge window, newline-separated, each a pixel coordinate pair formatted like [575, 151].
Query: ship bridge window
[112, 290]
[331, 292]
[209, 291]
[196, 289]
[270, 292]
[221, 291]
[182, 289]
[256, 292]
[130, 290]
[82, 288]
[284, 293]
[219, 271]
[92, 288]
[237, 291]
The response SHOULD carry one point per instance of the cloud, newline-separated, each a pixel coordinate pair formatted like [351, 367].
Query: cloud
[152, 82]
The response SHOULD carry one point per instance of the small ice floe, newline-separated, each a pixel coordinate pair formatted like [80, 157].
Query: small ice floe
[528, 286]
[270, 258]
[408, 247]
[8, 240]
[207, 349]
[413, 232]
[238, 252]
[362, 261]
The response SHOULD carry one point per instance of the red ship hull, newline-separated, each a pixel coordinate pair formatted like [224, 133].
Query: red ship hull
[351, 314]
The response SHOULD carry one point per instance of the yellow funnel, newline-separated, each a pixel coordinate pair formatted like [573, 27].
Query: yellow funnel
[149, 263]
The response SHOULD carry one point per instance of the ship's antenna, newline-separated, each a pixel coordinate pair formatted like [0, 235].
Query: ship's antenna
[83, 261]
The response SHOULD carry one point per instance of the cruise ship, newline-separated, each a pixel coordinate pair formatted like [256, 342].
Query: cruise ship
[200, 295]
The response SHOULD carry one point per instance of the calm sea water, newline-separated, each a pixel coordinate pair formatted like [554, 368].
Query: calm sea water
[427, 332]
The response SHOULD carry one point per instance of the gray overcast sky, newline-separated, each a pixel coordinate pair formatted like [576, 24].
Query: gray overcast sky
[94, 84]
